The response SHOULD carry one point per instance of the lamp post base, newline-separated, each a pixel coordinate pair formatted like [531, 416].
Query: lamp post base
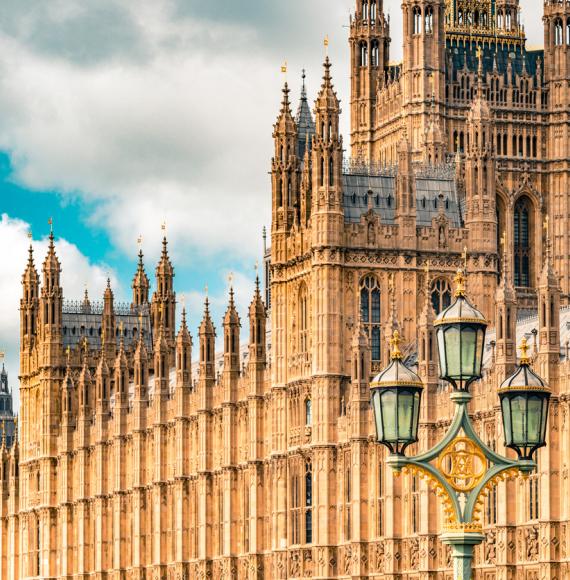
[462, 545]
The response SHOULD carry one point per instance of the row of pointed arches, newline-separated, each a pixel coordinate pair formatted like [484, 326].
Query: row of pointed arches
[561, 31]
[422, 20]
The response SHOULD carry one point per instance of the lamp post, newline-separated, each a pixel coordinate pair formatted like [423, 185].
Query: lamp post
[461, 467]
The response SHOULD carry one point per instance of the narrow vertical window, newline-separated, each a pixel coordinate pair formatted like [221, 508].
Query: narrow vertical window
[308, 504]
[370, 313]
[522, 226]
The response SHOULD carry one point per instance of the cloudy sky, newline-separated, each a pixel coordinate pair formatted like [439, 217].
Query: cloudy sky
[117, 115]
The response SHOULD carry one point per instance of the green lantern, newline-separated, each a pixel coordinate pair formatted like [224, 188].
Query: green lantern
[396, 397]
[525, 399]
[460, 340]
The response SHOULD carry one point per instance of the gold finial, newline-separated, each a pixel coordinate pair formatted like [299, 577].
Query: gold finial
[284, 70]
[460, 283]
[464, 257]
[163, 228]
[395, 341]
[326, 44]
[231, 280]
[139, 242]
[68, 354]
[525, 360]
[206, 290]
[2, 356]
[30, 234]
[50, 223]
[479, 52]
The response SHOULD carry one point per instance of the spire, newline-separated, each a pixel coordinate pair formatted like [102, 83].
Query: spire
[305, 123]
[548, 277]
[164, 298]
[141, 284]
[108, 341]
[327, 99]
[232, 326]
[257, 327]
[285, 122]
[121, 369]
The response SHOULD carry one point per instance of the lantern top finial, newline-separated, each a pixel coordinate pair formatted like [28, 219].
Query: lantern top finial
[395, 341]
[460, 283]
[525, 360]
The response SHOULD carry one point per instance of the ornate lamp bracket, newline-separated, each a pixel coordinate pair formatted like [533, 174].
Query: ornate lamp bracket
[462, 468]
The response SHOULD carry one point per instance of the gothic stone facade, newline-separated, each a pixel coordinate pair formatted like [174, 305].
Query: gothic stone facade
[130, 463]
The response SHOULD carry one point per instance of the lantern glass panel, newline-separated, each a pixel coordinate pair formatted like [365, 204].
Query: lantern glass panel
[507, 424]
[389, 404]
[545, 417]
[480, 347]
[453, 351]
[468, 353]
[405, 415]
[534, 412]
[442, 353]
[519, 419]
[417, 399]
[377, 414]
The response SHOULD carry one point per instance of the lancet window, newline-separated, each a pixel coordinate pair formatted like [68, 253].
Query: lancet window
[522, 231]
[370, 313]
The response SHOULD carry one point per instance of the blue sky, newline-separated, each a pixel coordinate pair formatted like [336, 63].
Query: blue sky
[118, 115]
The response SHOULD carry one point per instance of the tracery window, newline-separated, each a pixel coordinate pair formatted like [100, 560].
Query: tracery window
[374, 54]
[308, 412]
[522, 230]
[440, 294]
[370, 313]
[533, 505]
[428, 27]
[417, 14]
[363, 54]
[308, 503]
[302, 504]
[558, 35]
[303, 320]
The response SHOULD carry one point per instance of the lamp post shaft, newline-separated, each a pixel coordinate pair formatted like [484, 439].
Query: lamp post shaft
[462, 562]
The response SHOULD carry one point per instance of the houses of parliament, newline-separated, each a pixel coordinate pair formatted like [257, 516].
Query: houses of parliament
[128, 461]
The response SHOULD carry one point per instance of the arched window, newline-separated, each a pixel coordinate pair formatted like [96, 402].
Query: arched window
[303, 320]
[374, 54]
[308, 412]
[308, 503]
[322, 171]
[417, 13]
[428, 27]
[331, 171]
[440, 294]
[568, 31]
[365, 9]
[370, 313]
[373, 10]
[522, 231]
[363, 54]
[500, 19]
[558, 35]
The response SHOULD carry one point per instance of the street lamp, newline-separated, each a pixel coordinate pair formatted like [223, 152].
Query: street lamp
[525, 400]
[396, 395]
[461, 467]
[460, 339]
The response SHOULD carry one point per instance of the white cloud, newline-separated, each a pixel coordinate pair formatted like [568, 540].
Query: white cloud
[77, 271]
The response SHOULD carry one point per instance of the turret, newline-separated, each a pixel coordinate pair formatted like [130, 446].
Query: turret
[369, 51]
[68, 411]
[327, 165]
[161, 374]
[505, 321]
[51, 301]
[183, 366]
[481, 218]
[257, 341]
[84, 386]
[423, 74]
[556, 48]
[232, 327]
[121, 375]
[285, 168]
[360, 374]
[102, 387]
[548, 318]
[406, 210]
[108, 328]
[29, 308]
[140, 285]
[207, 338]
[164, 298]
[141, 375]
